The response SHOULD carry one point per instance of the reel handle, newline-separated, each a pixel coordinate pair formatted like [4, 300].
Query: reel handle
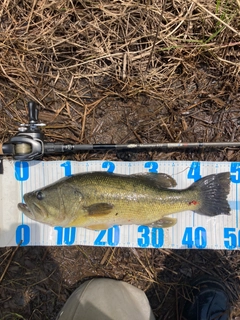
[32, 112]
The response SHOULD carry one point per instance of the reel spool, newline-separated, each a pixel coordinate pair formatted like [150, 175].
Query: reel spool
[22, 149]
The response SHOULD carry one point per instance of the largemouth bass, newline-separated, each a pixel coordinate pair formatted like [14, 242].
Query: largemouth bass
[99, 200]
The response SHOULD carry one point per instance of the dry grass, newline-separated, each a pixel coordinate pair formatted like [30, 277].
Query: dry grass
[110, 72]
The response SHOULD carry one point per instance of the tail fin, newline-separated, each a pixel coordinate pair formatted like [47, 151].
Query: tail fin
[214, 190]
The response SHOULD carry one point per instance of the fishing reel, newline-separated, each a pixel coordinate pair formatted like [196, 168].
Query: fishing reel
[28, 144]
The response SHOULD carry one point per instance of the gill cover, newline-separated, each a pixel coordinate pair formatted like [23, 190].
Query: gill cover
[53, 205]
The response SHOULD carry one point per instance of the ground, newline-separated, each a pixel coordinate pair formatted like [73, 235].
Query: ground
[114, 72]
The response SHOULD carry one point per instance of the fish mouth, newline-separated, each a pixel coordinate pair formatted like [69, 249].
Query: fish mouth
[25, 209]
[31, 211]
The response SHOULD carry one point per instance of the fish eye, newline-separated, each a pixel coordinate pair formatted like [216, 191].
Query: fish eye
[39, 195]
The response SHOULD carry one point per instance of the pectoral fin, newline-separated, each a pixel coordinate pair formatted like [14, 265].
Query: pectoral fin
[165, 222]
[99, 209]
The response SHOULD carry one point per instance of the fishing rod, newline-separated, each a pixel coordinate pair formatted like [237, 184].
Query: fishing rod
[28, 143]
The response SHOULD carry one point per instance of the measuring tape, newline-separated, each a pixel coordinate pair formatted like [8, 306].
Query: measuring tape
[191, 231]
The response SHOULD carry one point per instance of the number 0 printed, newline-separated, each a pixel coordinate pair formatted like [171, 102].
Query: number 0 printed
[21, 170]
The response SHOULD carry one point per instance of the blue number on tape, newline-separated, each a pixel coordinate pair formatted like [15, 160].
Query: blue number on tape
[235, 172]
[99, 241]
[23, 234]
[157, 237]
[66, 235]
[230, 238]
[154, 238]
[152, 166]
[21, 170]
[69, 235]
[112, 237]
[59, 235]
[144, 239]
[67, 168]
[194, 171]
[110, 166]
[198, 238]
[187, 239]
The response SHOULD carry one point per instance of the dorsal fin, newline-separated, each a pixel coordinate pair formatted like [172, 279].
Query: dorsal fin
[160, 180]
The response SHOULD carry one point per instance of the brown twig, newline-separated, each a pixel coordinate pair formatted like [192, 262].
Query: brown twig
[9, 261]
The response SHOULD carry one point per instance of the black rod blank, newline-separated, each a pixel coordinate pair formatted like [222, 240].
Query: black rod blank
[51, 148]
